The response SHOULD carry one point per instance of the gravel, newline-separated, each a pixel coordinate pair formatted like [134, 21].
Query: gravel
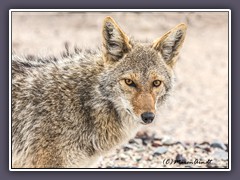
[153, 152]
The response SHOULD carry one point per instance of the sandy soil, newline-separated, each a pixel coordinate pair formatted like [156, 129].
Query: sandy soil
[198, 109]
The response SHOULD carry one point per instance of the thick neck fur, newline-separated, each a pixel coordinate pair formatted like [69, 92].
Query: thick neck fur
[77, 112]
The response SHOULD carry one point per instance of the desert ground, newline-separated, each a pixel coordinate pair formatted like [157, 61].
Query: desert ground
[196, 115]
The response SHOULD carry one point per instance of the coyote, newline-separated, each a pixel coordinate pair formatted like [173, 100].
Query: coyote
[69, 111]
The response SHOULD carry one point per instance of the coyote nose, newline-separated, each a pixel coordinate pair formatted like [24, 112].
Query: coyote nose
[147, 117]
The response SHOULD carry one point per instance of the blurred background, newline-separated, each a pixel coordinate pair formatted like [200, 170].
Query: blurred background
[198, 108]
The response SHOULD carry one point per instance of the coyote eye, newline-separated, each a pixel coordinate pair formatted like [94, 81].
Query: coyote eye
[156, 83]
[129, 82]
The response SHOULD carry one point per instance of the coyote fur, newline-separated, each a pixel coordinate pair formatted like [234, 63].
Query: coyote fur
[69, 111]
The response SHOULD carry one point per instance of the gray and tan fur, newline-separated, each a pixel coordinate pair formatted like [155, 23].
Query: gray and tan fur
[69, 111]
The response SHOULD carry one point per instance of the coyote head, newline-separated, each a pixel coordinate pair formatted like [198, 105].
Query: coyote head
[139, 76]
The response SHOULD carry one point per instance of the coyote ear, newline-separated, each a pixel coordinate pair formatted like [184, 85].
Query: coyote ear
[115, 41]
[170, 44]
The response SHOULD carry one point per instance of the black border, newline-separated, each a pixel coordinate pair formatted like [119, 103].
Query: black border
[129, 169]
[5, 5]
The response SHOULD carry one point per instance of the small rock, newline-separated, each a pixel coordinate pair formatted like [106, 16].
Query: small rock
[140, 149]
[137, 158]
[131, 141]
[128, 147]
[220, 155]
[203, 146]
[123, 157]
[207, 149]
[136, 141]
[167, 140]
[219, 144]
[160, 150]
[180, 159]
[139, 141]
[156, 143]
[145, 142]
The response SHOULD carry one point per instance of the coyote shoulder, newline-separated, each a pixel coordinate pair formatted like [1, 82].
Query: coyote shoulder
[69, 111]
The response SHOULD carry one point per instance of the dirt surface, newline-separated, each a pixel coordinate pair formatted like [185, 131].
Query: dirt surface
[197, 112]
